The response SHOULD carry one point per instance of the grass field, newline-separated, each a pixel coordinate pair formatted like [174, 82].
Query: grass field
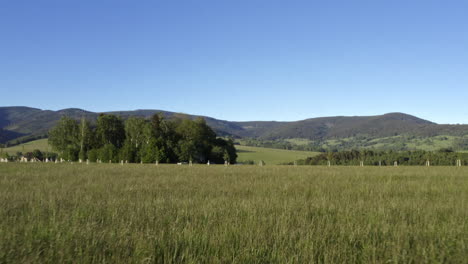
[40, 144]
[270, 156]
[105, 213]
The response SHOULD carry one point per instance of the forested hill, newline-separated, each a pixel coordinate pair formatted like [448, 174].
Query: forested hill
[17, 122]
[20, 122]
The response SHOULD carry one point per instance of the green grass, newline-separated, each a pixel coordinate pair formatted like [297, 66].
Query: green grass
[105, 213]
[40, 144]
[270, 156]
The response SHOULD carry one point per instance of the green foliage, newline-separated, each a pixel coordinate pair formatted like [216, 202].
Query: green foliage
[139, 140]
[108, 152]
[110, 130]
[65, 138]
[137, 136]
[93, 155]
[461, 143]
[223, 150]
[86, 137]
[444, 157]
[196, 140]
[135, 131]
[394, 131]
[38, 154]
[150, 152]
[4, 155]
[129, 152]
[395, 143]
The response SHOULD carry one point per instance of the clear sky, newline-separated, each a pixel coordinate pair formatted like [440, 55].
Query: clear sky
[238, 59]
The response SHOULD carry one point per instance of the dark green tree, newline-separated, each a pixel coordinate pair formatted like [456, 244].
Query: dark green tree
[38, 154]
[196, 140]
[110, 130]
[64, 138]
[108, 153]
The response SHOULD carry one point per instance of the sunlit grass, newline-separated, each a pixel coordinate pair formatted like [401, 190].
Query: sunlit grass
[271, 156]
[63, 213]
[40, 144]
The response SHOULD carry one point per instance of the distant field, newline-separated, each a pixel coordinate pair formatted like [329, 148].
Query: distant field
[108, 213]
[270, 156]
[40, 144]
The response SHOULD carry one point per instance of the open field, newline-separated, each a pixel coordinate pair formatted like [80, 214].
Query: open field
[73, 213]
[40, 144]
[270, 156]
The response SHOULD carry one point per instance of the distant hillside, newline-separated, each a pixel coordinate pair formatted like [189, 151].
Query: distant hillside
[323, 128]
[17, 122]
[342, 126]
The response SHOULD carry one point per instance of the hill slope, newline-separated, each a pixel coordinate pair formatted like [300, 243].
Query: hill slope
[16, 122]
[342, 126]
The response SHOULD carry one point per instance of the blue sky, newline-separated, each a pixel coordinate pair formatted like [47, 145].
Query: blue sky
[238, 60]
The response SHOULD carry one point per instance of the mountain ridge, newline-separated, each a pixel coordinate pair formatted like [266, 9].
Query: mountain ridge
[21, 121]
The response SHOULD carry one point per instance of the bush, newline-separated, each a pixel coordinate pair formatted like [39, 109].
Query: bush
[108, 153]
[93, 155]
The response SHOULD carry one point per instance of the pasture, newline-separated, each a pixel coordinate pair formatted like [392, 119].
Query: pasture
[269, 155]
[30, 146]
[76, 213]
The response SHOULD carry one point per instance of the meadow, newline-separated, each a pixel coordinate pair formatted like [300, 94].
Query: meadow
[30, 146]
[270, 156]
[108, 213]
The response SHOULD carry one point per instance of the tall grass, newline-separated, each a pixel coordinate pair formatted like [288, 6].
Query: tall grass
[56, 213]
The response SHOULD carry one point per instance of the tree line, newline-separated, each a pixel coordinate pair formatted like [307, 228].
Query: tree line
[443, 157]
[283, 144]
[140, 140]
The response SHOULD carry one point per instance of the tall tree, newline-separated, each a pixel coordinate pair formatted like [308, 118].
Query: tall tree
[64, 137]
[135, 131]
[110, 130]
[86, 138]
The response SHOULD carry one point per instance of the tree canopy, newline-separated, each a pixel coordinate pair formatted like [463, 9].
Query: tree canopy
[443, 157]
[140, 140]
